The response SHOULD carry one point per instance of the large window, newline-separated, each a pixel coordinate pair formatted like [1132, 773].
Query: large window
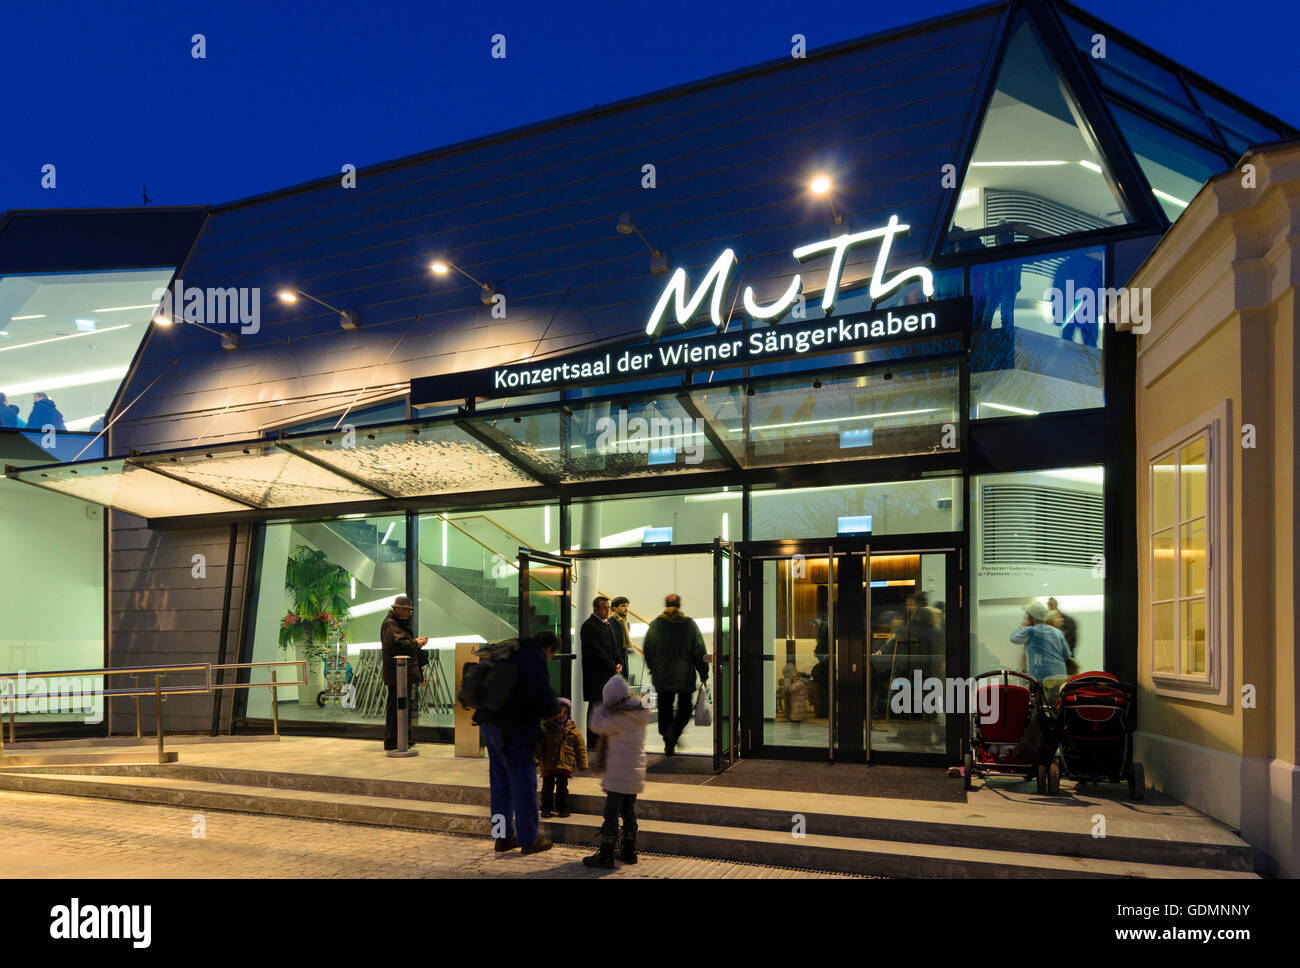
[51, 598]
[68, 338]
[1185, 546]
[1038, 331]
[896, 507]
[1037, 171]
[1037, 536]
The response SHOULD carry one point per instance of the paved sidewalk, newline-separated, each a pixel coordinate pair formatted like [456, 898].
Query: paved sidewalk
[57, 836]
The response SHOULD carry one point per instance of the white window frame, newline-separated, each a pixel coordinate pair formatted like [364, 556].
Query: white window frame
[1215, 686]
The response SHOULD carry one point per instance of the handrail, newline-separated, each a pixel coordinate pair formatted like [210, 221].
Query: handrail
[9, 695]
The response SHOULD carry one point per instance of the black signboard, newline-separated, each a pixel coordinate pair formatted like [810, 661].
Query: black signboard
[640, 360]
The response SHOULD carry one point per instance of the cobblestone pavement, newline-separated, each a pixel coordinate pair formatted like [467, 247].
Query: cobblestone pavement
[45, 835]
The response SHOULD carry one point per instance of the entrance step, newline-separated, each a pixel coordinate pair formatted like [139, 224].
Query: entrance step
[843, 843]
[61, 758]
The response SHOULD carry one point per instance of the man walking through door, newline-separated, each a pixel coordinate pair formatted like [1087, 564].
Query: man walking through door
[602, 658]
[674, 653]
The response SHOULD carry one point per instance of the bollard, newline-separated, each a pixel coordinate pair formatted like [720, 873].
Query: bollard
[157, 697]
[403, 716]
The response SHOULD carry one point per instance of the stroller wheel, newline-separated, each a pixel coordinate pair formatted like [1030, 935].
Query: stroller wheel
[1053, 779]
[1042, 778]
[968, 769]
[1137, 782]
[320, 699]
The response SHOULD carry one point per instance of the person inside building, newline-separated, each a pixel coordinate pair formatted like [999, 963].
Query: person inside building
[601, 657]
[8, 413]
[1046, 651]
[622, 633]
[396, 638]
[674, 654]
[44, 414]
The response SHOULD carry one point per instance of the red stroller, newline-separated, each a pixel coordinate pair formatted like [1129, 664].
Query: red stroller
[1096, 715]
[1013, 700]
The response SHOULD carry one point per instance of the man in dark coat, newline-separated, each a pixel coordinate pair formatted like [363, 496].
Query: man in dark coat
[44, 414]
[602, 657]
[396, 638]
[510, 735]
[674, 654]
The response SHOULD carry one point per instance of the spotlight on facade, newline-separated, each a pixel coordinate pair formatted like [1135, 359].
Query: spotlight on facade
[658, 258]
[229, 338]
[347, 318]
[487, 291]
[821, 187]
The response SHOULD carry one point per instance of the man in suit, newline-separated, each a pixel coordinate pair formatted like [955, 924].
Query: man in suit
[602, 658]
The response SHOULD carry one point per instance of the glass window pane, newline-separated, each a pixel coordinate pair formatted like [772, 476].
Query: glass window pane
[899, 507]
[1193, 637]
[1175, 167]
[70, 337]
[52, 597]
[1162, 637]
[1248, 127]
[1037, 340]
[350, 568]
[1036, 171]
[1163, 473]
[1192, 479]
[1037, 536]
[1192, 556]
[1164, 575]
[1128, 63]
[1149, 99]
[673, 518]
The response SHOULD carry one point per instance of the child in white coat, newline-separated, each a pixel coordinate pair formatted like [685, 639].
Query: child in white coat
[620, 720]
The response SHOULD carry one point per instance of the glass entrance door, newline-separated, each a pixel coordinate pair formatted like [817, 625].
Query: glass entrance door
[807, 609]
[545, 602]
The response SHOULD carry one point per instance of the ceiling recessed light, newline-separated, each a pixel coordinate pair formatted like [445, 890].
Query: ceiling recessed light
[122, 309]
[86, 325]
[14, 319]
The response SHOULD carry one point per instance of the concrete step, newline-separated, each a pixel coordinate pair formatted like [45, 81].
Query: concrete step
[59, 758]
[852, 845]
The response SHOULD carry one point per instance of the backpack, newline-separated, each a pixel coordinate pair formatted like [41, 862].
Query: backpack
[489, 683]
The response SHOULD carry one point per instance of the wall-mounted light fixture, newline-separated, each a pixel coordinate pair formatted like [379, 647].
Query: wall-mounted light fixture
[229, 338]
[658, 259]
[440, 267]
[821, 186]
[347, 318]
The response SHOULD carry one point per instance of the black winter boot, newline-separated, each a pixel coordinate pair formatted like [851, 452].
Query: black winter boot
[603, 857]
[627, 846]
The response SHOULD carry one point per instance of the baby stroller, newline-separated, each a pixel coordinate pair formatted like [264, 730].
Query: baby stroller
[1015, 700]
[1097, 715]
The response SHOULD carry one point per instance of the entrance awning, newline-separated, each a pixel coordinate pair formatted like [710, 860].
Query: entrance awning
[853, 414]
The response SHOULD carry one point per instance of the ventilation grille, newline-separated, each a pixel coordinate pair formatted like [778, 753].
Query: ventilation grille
[1048, 217]
[1035, 525]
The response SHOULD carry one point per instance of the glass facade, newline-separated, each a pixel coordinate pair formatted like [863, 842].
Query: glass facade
[1037, 536]
[1038, 337]
[66, 341]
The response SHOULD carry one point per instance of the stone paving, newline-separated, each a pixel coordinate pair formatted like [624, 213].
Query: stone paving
[57, 836]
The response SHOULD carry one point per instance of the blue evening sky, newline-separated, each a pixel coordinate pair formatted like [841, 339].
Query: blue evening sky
[109, 93]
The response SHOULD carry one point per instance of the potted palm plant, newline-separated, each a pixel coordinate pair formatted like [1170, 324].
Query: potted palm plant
[319, 610]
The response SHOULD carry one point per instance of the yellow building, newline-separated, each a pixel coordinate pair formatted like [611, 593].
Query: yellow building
[1216, 467]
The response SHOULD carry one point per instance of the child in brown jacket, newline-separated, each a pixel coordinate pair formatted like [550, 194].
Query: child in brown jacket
[560, 750]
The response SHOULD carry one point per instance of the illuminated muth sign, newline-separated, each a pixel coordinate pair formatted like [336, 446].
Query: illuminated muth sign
[717, 280]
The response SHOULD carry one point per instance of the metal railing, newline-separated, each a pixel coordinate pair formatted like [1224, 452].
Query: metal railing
[9, 688]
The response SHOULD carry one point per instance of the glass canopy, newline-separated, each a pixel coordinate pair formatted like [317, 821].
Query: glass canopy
[885, 410]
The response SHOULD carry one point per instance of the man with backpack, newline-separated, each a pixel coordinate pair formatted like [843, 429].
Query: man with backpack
[510, 732]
